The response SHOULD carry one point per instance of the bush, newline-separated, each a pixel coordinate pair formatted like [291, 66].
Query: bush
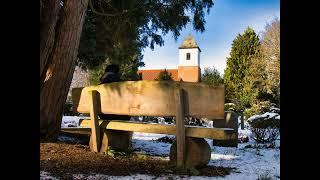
[168, 120]
[258, 108]
[194, 121]
[96, 73]
[151, 119]
[67, 109]
[265, 128]
[265, 176]
[154, 119]
[164, 76]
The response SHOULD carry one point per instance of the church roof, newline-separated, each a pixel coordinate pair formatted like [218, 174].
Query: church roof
[189, 42]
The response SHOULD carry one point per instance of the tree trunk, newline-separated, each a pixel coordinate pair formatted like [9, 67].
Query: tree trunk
[61, 66]
[49, 11]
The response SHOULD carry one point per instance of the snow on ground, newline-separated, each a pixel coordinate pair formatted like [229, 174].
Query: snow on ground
[245, 132]
[69, 139]
[70, 121]
[46, 176]
[251, 163]
[141, 176]
[145, 142]
[246, 124]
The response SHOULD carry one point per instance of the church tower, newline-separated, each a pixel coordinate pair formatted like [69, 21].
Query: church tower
[189, 61]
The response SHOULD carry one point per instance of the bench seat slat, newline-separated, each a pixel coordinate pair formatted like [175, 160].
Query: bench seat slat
[191, 131]
[76, 130]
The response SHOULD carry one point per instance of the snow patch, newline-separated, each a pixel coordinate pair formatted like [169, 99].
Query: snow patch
[46, 176]
[140, 177]
[147, 142]
[169, 176]
[265, 115]
[71, 121]
[250, 163]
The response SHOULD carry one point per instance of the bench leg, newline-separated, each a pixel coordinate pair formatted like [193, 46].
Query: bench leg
[95, 129]
[198, 152]
[230, 121]
[225, 143]
[118, 140]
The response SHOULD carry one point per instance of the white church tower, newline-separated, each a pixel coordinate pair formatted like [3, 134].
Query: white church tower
[189, 61]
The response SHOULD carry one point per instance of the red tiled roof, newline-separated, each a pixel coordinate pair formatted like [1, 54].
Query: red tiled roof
[154, 73]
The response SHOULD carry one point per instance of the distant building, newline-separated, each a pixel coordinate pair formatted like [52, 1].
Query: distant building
[188, 67]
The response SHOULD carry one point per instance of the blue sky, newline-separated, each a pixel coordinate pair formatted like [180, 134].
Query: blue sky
[226, 19]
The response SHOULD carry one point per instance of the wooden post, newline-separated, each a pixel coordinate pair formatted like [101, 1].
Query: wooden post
[95, 128]
[180, 128]
[242, 121]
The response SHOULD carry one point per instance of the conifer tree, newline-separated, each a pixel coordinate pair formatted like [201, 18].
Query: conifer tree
[244, 48]
[121, 27]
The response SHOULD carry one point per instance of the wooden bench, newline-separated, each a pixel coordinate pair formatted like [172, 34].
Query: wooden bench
[153, 98]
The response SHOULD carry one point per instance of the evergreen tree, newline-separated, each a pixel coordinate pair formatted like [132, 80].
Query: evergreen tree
[211, 76]
[244, 48]
[255, 82]
[262, 82]
[113, 30]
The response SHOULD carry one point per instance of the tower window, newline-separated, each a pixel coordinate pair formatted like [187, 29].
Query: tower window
[188, 56]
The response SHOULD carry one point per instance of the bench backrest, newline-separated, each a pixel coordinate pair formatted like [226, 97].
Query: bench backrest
[152, 98]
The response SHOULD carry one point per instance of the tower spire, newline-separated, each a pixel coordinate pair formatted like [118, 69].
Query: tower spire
[189, 60]
[189, 42]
